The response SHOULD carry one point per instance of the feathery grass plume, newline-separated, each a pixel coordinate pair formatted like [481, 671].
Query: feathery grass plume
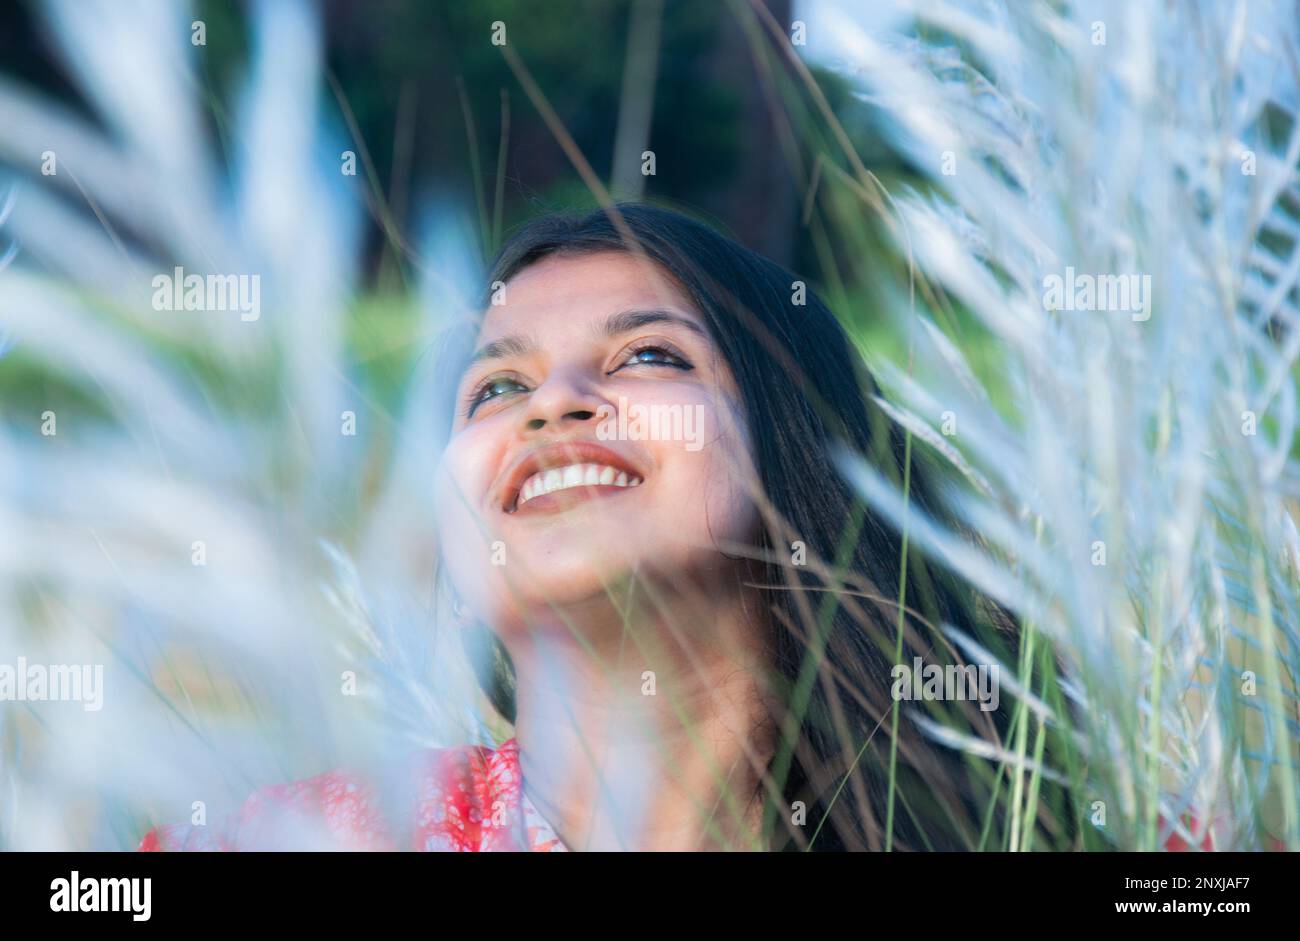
[1103, 347]
[166, 475]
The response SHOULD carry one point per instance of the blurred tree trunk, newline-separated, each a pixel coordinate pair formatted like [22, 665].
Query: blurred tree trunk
[636, 106]
[760, 205]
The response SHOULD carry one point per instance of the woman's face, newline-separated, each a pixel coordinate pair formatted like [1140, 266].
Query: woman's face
[597, 434]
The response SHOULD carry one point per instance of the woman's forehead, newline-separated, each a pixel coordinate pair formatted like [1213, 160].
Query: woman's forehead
[562, 291]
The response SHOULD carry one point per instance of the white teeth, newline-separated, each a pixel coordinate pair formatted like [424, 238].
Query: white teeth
[574, 475]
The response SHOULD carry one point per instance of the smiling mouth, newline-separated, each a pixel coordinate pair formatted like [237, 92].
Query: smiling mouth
[560, 486]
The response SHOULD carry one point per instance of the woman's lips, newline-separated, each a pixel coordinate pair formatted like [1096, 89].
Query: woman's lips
[564, 497]
[564, 473]
[558, 479]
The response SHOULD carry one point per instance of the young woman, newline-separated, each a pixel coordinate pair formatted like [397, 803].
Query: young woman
[674, 595]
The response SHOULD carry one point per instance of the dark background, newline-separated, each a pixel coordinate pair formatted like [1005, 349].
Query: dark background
[428, 92]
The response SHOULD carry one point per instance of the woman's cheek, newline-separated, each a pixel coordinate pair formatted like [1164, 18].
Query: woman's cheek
[708, 492]
[735, 476]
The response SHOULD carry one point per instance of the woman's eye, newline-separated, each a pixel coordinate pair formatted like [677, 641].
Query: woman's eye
[493, 388]
[654, 356]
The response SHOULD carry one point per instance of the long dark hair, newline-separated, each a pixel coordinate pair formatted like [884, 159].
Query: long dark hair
[805, 391]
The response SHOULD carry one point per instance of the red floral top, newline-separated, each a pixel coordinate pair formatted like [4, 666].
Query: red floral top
[466, 799]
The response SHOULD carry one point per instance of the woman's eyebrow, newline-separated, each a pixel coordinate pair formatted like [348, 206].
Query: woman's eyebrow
[513, 345]
[628, 320]
[623, 322]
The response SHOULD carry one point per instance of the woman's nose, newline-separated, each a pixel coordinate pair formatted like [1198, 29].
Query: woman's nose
[565, 398]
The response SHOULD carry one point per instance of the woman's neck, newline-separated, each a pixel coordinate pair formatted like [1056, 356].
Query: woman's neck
[647, 730]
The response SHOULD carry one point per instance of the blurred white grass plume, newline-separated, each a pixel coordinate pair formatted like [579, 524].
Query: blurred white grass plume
[171, 527]
[1164, 448]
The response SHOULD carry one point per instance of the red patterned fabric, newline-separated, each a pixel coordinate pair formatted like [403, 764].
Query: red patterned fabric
[467, 799]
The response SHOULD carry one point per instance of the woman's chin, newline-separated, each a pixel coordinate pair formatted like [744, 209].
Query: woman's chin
[572, 578]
